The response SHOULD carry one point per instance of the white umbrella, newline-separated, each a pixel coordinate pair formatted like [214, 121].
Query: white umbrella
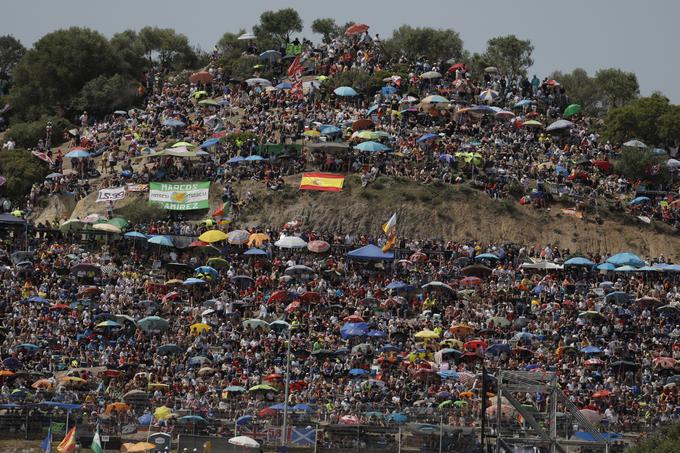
[246, 37]
[673, 163]
[290, 242]
[635, 144]
[244, 441]
[559, 124]
[431, 75]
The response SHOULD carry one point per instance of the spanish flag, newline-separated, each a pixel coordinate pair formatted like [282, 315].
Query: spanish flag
[330, 182]
[68, 445]
[390, 230]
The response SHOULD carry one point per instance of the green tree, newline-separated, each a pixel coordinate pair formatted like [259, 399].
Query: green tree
[278, 25]
[616, 87]
[26, 135]
[581, 89]
[665, 440]
[327, 28]
[475, 62]
[130, 50]
[415, 42]
[638, 119]
[11, 51]
[510, 54]
[21, 171]
[641, 164]
[57, 67]
[105, 94]
[669, 126]
[230, 46]
[171, 50]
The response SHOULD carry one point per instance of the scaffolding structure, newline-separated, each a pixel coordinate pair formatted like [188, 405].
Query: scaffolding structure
[550, 429]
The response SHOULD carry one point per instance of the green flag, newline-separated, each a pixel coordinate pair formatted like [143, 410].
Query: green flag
[96, 446]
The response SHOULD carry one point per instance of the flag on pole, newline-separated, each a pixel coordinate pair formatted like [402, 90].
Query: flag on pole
[390, 230]
[295, 71]
[96, 445]
[68, 445]
[46, 444]
[331, 182]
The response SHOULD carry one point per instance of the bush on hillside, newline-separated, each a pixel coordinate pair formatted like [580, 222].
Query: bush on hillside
[142, 211]
[27, 135]
[641, 165]
[21, 170]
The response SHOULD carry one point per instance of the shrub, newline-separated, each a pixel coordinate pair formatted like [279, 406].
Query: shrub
[21, 170]
[141, 211]
[26, 135]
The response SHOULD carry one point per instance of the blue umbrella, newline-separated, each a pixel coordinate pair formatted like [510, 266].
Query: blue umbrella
[193, 419]
[522, 103]
[639, 200]
[135, 235]
[270, 55]
[398, 285]
[357, 329]
[210, 143]
[579, 261]
[345, 91]
[235, 160]
[448, 374]
[397, 417]
[170, 122]
[284, 86]
[427, 137]
[329, 129]
[28, 347]
[389, 348]
[626, 259]
[206, 270]
[388, 90]
[372, 109]
[38, 300]
[448, 158]
[302, 407]
[278, 407]
[358, 372]
[375, 333]
[255, 252]
[161, 240]
[486, 256]
[77, 153]
[590, 349]
[244, 420]
[145, 419]
[606, 267]
[193, 281]
[498, 348]
[371, 146]
[254, 158]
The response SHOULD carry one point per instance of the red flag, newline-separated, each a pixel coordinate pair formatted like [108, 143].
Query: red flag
[295, 75]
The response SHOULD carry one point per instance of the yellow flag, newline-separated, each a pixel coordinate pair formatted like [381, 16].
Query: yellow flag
[390, 225]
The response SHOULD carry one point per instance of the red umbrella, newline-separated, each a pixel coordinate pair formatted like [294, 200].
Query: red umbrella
[292, 307]
[174, 295]
[279, 296]
[665, 362]
[202, 76]
[60, 307]
[198, 244]
[353, 318]
[418, 257]
[603, 165]
[356, 29]
[471, 281]
[473, 345]
[318, 246]
[456, 67]
[273, 377]
[88, 290]
[601, 394]
[267, 412]
[362, 124]
[310, 296]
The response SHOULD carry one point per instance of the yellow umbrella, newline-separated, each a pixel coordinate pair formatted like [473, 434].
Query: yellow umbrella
[368, 135]
[185, 144]
[198, 328]
[73, 379]
[139, 446]
[116, 407]
[156, 385]
[212, 236]
[256, 239]
[452, 343]
[174, 282]
[427, 334]
[311, 133]
[109, 228]
[162, 413]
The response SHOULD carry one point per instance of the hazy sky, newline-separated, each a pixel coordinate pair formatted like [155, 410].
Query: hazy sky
[634, 35]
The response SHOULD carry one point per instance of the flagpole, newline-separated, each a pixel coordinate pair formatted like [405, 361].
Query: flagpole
[68, 412]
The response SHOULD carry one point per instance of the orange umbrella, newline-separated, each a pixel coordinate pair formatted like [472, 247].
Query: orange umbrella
[256, 239]
[42, 384]
[356, 29]
[6, 373]
[201, 76]
[116, 407]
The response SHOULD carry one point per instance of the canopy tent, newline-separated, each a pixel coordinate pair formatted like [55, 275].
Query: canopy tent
[370, 252]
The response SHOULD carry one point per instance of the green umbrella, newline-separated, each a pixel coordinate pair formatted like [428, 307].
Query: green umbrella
[460, 403]
[500, 321]
[71, 225]
[262, 387]
[445, 404]
[572, 110]
[119, 222]
[151, 323]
